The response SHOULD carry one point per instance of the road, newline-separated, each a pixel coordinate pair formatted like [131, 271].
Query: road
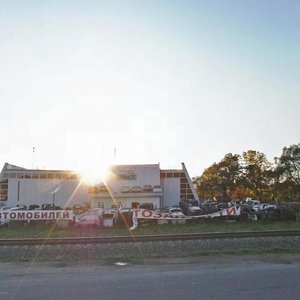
[222, 277]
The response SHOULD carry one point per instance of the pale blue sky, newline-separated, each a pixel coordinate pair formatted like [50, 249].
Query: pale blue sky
[162, 81]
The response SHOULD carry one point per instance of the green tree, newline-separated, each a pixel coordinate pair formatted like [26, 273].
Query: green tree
[209, 182]
[287, 174]
[229, 173]
[256, 176]
[220, 179]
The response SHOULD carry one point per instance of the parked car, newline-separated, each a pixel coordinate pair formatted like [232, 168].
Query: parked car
[148, 206]
[103, 189]
[190, 207]
[157, 189]
[147, 188]
[263, 206]
[33, 207]
[126, 189]
[4, 223]
[7, 222]
[5, 208]
[50, 206]
[86, 220]
[176, 212]
[252, 202]
[21, 207]
[136, 189]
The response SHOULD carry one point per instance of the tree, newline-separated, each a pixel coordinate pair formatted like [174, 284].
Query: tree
[287, 174]
[229, 173]
[220, 179]
[209, 182]
[252, 175]
[257, 174]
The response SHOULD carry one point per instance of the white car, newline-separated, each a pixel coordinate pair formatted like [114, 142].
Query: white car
[176, 212]
[86, 220]
[126, 189]
[157, 189]
[6, 222]
[147, 188]
[136, 189]
[5, 208]
[263, 206]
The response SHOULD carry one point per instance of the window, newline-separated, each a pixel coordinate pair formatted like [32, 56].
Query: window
[73, 176]
[50, 176]
[43, 176]
[12, 175]
[66, 176]
[57, 176]
[169, 175]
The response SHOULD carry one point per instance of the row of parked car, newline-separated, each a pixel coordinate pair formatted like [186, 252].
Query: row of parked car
[139, 189]
[128, 189]
[4, 223]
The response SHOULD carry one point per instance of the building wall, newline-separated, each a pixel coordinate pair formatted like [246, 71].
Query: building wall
[132, 175]
[27, 187]
[124, 202]
[171, 191]
[39, 191]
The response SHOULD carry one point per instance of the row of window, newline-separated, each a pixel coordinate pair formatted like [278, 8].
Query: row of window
[3, 190]
[28, 175]
[172, 174]
[185, 189]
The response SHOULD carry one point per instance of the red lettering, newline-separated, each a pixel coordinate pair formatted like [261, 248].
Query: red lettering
[136, 213]
[231, 211]
[66, 215]
[29, 215]
[12, 215]
[58, 215]
[147, 213]
[44, 215]
[166, 216]
[21, 215]
[158, 215]
[51, 215]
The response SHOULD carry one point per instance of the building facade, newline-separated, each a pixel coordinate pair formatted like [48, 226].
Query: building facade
[124, 186]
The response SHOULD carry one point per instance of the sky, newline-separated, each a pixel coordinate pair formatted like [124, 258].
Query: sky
[88, 83]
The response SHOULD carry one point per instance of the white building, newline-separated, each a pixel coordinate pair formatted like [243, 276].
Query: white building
[123, 186]
[31, 186]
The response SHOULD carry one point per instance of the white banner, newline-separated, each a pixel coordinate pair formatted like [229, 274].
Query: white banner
[158, 215]
[28, 215]
[150, 214]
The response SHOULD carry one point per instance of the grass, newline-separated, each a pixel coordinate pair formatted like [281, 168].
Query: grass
[42, 231]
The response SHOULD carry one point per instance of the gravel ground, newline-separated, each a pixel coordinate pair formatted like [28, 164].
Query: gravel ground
[142, 250]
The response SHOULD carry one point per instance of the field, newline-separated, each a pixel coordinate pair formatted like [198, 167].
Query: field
[52, 231]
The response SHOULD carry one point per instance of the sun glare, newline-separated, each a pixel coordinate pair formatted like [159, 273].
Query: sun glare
[94, 175]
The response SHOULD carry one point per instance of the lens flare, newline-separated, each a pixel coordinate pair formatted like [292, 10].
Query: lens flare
[94, 175]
